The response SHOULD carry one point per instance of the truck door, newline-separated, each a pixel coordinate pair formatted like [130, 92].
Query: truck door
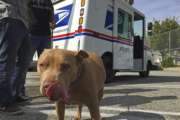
[122, 46]
[138, 52]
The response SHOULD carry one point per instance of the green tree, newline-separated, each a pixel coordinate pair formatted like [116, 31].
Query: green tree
[160, 38]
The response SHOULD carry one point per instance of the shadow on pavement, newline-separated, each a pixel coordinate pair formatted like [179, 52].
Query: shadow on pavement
[133, 79]
[127, 91]
[31, 112]
[135, 116]
[132, 100]
[28, 115]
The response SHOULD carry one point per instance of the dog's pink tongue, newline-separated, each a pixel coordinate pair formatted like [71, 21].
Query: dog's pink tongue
[57, 92]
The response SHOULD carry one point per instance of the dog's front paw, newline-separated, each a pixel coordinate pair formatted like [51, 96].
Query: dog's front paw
[77, 118]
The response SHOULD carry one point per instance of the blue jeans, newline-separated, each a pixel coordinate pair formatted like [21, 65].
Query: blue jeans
[39, 43]
[15, 48]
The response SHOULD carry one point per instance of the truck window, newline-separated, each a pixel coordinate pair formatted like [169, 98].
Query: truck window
[139, 21]
[124, 24]
[138, 28]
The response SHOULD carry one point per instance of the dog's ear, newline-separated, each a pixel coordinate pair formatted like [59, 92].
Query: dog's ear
[42, 58]
[81, 55]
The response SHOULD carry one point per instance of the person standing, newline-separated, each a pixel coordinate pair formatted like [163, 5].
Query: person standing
[15, 48]
[41, 25]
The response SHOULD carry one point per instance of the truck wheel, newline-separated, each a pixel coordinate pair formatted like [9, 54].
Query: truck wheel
[145, 73]
[108, 67]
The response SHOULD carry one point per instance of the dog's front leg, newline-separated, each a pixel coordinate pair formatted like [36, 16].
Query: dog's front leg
[60, 109]
[78, 114]
[94, 110]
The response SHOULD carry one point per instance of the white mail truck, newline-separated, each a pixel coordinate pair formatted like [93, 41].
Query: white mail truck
[113, 29]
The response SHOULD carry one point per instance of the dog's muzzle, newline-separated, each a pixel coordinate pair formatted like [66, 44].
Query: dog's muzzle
[55, 91]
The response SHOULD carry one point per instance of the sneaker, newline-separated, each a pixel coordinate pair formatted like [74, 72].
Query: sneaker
[11, 110]
[20, 99]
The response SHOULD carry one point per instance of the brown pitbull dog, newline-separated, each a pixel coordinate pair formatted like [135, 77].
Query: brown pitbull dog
[69, 77]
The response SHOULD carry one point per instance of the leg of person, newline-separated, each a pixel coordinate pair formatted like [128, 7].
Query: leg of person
[45, 43]
[35, 43]
[21, 97]
[8, 51]
[23, 62]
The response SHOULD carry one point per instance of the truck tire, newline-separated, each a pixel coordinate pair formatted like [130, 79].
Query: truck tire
[107, 60]
[145, 73]
[109, 74]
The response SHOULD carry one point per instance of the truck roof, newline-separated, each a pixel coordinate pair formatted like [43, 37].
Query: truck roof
[138, 14]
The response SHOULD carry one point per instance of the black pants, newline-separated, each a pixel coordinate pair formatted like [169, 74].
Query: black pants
[15, 47]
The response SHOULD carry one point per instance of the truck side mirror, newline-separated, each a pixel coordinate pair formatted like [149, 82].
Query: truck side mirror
[131, 2]
[150, 27]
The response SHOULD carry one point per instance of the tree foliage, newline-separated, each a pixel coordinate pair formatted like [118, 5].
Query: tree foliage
[160, 38]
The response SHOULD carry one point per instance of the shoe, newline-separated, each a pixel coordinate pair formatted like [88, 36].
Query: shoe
[20, 99]
[11, 110]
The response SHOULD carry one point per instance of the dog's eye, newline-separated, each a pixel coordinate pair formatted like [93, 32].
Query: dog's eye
[64, 67]
[43, 65]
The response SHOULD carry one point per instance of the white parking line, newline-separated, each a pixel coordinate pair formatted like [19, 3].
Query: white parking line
[71, 113]
[105, 111]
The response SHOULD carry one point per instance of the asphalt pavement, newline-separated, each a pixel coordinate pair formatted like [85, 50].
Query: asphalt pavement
[128, 97]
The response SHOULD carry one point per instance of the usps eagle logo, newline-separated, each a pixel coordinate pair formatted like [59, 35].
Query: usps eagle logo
[62, 16]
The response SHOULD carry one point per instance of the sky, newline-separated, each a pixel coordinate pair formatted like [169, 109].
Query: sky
[158, 9]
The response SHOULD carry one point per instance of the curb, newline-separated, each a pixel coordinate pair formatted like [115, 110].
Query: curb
[173, 69]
